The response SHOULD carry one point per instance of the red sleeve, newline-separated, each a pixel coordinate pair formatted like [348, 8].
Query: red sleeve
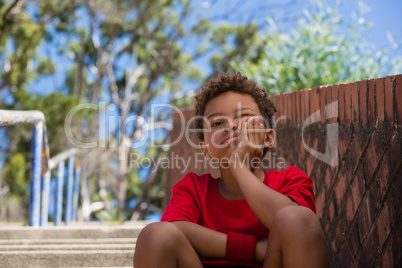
[184, 204]
[299, 187]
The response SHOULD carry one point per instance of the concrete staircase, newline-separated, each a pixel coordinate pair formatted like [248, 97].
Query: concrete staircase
[75, 246]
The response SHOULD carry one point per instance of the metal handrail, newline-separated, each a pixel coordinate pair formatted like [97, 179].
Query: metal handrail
[41, 170]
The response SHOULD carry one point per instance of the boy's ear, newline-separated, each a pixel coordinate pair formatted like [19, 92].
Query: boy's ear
[203, 148]
[270, 137]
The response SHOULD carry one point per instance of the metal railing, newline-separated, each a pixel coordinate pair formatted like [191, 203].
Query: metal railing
[42, 166]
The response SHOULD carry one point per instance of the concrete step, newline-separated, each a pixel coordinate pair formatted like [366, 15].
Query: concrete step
[66, 247]
[75, 246]
[67, 258]
[73, 232]
[110, 241]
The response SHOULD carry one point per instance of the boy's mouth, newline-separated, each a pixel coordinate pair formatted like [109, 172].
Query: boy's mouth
[231, 138]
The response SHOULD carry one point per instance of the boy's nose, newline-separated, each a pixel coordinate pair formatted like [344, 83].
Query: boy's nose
[234, 127]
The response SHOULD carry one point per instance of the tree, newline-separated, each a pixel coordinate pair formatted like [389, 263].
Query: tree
[127, 53]
[321, 50]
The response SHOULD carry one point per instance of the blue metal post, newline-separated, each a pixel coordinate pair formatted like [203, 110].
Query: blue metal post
[37, 140]
[59, 194]
[45, 199]
[69, 200]
[76, 191]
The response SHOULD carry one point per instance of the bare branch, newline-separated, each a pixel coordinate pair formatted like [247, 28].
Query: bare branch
[14, 9]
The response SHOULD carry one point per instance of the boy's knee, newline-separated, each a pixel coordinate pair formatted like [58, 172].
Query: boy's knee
[297, 221]
[158, 234]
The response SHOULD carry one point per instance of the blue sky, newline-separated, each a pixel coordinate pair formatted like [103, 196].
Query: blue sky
[383, 15]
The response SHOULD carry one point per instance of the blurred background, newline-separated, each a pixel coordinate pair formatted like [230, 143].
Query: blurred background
[126, 56]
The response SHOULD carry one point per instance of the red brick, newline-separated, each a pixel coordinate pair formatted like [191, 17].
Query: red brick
[374, 152]
[363, 102]
[398, 96]
[343, 144]
[369, 252]
[328, 95]
[316, 103]
[353, 238]
[350, 212]
[356, 193]
[340, 190]
[345, 258]
[387, 260]
[307, 104]
[389, 99]
[283, 103]
[290, 107]
[298, 112]
[348, 103]
[371, 105]
[360, 141]
[323, 91]
[310, 164]
[331, 211]
[327, 225]
[278, 106]
[364, 219]
[302, 106]
[293, 107]
[389, 165]
[380, 97]
[312, 103]
[286, 107]
[384, 224]
[355, 102]
[330, 174]
[320, 203]
[280, 109]
[374, 194]
[328, 100]
[320, 173]
[335, 98]
[274, 99]
[342, 103]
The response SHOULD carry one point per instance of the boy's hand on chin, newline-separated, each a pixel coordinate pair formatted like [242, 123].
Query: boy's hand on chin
[250, 148]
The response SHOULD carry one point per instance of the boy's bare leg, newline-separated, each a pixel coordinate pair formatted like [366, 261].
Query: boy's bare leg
[296, 240]
[162, 244]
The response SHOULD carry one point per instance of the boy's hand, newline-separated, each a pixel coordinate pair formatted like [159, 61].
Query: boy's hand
[251, 145]
[260, 250]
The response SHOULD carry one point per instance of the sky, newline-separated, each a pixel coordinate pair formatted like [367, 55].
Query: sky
[383, 15]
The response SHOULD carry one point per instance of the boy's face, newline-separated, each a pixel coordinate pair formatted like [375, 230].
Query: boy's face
[223, 117]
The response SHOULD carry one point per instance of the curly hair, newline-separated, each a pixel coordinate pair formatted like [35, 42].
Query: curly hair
[236, 83]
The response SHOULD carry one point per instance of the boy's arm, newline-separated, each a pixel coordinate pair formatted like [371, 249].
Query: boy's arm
[212, 244]
[264, 201]
[206, 242]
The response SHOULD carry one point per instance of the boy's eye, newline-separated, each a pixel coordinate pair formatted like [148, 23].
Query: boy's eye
[216, 124]
[246, 115]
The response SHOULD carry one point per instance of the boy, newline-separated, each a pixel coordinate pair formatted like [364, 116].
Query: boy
[248, 217]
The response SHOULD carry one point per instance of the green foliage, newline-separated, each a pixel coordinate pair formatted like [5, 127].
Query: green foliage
[14, 174]
[20, 38]
[315, 53]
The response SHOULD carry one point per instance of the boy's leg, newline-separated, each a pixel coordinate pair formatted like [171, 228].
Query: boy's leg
[162, 244]
[296, 240]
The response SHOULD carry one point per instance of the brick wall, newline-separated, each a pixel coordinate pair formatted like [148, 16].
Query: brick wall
[357, 175]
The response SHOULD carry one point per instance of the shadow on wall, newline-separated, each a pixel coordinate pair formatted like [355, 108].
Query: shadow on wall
[348, 138]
